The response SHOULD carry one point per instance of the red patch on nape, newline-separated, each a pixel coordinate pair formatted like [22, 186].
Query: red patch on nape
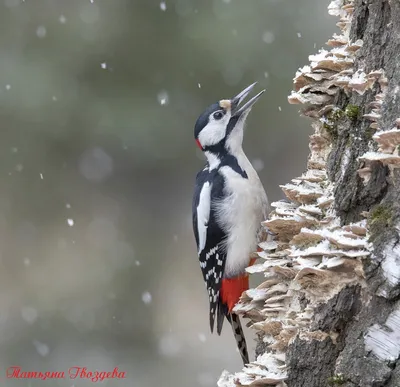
[198, 144]
[232, 289]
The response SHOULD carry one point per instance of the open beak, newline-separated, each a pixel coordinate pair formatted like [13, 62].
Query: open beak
[236, 101]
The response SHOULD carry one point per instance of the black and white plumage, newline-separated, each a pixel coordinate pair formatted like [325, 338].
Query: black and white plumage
[229, 204]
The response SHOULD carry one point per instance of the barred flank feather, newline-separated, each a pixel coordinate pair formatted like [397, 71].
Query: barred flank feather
[239, 336]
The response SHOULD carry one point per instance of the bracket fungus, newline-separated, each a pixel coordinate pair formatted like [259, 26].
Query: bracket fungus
[313, 256]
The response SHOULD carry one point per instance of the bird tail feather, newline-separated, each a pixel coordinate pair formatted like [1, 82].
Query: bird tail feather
[234, 320]
[240, 338]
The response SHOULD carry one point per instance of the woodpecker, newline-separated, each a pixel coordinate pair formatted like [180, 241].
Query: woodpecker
[229, 203]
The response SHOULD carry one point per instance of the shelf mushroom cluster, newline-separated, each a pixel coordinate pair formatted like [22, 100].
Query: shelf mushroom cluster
[388, 141]
[317, 84]
[310, 260]
[265, 371]
[386, 146]
[312, 257]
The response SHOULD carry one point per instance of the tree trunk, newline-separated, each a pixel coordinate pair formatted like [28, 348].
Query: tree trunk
[328, 313]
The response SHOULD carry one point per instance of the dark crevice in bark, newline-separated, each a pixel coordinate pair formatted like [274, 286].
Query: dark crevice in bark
[354, 135]
[360, 22]
[311, 363]
[334, 315]
[351, 313]
[394, 380]
[261, 347]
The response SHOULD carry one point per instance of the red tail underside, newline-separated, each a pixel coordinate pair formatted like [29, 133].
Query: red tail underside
[232, 288]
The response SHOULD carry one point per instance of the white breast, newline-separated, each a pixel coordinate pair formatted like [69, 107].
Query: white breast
[241, 215]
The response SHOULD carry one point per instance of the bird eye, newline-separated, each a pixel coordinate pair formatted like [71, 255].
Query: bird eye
[218, 115]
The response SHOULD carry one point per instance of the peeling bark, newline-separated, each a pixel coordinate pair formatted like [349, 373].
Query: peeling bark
[328, 313]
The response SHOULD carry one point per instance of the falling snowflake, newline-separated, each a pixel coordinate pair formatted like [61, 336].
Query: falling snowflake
[41, 348]
[29, 314]
[268, 37]
[202, 337]
[163, 6]
[258, 164]
[299, 35]
[146, 297]
[266, 75]
[41, 32]
[163, 98]
[54, 98]
[169, 345]
[95, 164]
[8, 87]
[280, 109]
[199, 86]
[68, 205]
[104, 65]
[70, 222]
[41, 175]
[27, 261]
[62, 19]
[137, 263]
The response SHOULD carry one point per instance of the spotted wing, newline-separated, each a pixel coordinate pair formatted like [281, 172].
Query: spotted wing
[209, 238]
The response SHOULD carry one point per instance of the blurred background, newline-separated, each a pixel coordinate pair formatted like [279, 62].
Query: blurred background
[98, 99]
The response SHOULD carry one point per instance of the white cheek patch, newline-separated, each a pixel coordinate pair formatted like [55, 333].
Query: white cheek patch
[214, 131]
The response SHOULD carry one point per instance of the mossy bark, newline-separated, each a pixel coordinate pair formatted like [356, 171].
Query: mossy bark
[344, 360]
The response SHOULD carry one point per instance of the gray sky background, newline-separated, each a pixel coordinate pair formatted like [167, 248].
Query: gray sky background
[98, 100]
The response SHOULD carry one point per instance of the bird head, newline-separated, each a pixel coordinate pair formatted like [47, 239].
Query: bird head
[220, 127]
